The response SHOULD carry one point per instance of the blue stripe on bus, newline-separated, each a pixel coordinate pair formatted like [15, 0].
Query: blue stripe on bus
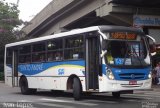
[35, 68]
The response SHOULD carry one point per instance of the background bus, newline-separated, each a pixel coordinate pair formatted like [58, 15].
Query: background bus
[96, 59]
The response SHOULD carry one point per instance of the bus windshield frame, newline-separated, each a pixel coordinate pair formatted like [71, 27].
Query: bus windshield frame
[126, 53]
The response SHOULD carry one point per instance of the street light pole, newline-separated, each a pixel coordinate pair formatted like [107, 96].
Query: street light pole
[17, 2]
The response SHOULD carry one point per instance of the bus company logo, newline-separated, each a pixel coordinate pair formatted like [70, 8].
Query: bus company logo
[132, 76]
[61, 71]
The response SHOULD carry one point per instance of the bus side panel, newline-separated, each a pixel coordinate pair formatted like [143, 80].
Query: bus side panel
[53, 75]
[55, 83]
[33, 82]
[8, 75]
[83, 82]
[44, 82]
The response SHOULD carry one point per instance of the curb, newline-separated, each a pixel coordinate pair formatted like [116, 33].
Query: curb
[1, 81]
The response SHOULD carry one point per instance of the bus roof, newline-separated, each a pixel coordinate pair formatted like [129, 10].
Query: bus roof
[76, 31]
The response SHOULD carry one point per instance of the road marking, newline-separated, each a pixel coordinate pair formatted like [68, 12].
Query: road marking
[66, 101]
[24, 101]
[55, 105]
[103, 101]
[144, 95]
[137, 96]
[156, 93]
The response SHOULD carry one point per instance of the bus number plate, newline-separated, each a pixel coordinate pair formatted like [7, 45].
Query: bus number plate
[132, 82]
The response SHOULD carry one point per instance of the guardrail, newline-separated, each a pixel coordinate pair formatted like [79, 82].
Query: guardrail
[1, 76]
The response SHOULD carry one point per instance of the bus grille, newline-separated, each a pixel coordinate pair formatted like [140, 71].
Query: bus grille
[132, 76]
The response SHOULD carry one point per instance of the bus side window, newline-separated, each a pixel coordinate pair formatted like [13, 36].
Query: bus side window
[55, 50]
[25, 54]
[74, 47]
[38, 57]
[50, 56]
[58, 56]
[39, 52]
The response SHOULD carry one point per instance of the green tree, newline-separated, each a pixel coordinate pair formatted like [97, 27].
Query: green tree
[8, 21]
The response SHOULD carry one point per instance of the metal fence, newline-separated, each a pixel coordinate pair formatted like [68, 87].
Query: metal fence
[1, 76]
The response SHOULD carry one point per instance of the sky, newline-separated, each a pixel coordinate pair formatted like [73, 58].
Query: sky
[29, 8]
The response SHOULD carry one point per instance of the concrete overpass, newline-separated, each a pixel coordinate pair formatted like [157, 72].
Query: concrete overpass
[63, 15]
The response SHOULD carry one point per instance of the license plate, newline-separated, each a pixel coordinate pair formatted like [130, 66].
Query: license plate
[132, 82]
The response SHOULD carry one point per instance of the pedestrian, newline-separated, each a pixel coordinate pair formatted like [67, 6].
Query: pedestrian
[154, 77]
[157, 69]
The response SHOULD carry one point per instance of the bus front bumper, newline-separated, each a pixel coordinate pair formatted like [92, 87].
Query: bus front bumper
[116, 85]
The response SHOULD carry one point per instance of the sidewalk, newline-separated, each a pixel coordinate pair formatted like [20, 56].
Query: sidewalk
[156, 88]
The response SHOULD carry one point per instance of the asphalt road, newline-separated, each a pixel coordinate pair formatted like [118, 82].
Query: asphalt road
[12, 98]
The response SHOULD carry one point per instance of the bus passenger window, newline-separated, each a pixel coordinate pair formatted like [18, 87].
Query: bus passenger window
[58, 56]
[38, 47]
[42, 57]
[38, 57]
[24, 59]
[55, 56]
[39, 52]
[74, 48]
[55, 44]
[25, 54]
[50, 56]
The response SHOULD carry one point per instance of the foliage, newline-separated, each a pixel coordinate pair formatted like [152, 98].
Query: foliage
[8, 21]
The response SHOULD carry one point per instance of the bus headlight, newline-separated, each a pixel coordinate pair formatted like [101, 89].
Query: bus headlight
[110, 74]
[150, 75]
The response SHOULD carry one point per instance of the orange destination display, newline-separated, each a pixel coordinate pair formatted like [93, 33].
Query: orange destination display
[123, 35]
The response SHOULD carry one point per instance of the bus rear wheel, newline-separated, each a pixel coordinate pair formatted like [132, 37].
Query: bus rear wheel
[24, 87]
[116, 94]
[77, 89]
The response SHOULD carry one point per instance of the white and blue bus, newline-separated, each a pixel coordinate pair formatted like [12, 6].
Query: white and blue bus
[95, 59]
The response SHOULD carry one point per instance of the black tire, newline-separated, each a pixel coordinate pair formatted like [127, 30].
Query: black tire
[77, 89]
[116, 94]
[24, 87]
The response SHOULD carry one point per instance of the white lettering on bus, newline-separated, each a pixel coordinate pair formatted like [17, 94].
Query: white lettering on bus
[34, 67]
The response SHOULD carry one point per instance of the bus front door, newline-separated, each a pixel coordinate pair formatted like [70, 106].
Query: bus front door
[92, 62]
[15, 68]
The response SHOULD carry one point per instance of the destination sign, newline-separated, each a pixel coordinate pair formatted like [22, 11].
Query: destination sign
[123, 35]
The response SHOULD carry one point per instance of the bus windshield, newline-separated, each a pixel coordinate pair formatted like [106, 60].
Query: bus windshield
[124, 53]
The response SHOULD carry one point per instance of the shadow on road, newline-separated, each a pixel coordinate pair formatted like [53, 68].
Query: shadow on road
[86, 96]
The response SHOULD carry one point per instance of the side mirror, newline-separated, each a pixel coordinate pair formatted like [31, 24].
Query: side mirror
[152, 45]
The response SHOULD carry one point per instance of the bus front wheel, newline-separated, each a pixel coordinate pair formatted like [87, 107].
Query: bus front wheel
[116, 94]
[24, 87]
[77, 89]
